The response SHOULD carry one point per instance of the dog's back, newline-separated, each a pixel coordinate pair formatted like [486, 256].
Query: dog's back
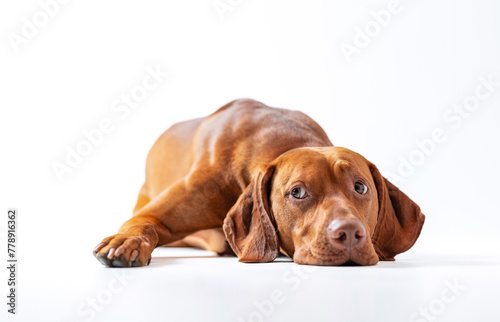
[237, 139]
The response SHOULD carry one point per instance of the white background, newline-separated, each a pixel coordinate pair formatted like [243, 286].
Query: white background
[397, 89]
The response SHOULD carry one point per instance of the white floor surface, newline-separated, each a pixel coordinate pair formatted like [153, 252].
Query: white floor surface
[184, 284]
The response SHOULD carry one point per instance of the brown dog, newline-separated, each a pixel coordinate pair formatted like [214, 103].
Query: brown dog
[273, 181]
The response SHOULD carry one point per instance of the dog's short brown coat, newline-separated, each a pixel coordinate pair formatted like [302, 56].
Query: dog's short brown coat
[236, 169]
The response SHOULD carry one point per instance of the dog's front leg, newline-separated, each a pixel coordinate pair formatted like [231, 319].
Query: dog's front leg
[190, 205]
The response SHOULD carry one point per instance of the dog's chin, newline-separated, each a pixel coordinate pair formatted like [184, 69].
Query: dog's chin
[335, 257]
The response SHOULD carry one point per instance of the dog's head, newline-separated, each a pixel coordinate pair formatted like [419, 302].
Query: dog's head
[322, 206]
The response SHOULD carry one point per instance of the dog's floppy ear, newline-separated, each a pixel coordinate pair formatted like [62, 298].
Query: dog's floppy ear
[399, 219]
[248, 226]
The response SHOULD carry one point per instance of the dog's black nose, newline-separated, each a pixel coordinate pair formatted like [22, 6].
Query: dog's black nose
[347, 232]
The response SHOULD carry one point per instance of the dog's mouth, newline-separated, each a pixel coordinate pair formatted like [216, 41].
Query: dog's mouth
[336, 261]
[328, 256]
[350, 263]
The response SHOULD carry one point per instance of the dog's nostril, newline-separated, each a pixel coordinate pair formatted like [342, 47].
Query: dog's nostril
[342, 236]
[359, 233]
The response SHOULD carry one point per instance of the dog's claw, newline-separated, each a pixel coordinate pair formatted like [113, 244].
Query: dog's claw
[98, 248]
[134, 255]
[120, 250]
[110, 253]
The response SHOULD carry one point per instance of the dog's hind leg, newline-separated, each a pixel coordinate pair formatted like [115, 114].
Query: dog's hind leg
[208, 239]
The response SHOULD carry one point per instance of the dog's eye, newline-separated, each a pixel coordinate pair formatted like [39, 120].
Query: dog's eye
[298, 192]
[360, 188]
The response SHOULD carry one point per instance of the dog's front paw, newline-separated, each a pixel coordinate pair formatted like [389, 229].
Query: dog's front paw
[123, 251]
